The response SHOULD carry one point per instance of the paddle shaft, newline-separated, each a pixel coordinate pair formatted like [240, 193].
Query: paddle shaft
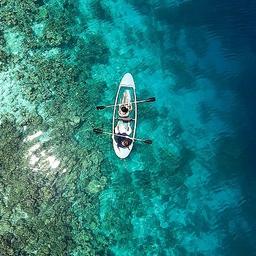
[123, 136]
[139, 101]
[125, 119]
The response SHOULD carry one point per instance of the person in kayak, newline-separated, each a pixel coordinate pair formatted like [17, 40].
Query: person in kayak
[123, 142]
[123, 111]
[126, 142]
[123, 127]
[125, 106]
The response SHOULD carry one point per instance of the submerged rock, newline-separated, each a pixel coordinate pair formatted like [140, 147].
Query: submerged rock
[95, 186]
[75, 120]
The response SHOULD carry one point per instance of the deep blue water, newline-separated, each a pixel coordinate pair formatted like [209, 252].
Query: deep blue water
[193, 191]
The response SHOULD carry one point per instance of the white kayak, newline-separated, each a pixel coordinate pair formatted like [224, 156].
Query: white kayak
[124, 117]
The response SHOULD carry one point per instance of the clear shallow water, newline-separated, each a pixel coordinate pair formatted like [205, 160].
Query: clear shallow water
[190, 193]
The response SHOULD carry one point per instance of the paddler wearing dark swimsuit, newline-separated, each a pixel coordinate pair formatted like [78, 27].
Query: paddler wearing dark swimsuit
[123, 142]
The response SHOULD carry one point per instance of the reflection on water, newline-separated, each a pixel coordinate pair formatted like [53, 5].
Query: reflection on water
[40, 159]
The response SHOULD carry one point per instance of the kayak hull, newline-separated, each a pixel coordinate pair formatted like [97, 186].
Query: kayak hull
[126, 85]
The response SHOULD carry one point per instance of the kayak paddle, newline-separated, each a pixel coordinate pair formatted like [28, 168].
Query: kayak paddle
[139, 101]
[100, 131]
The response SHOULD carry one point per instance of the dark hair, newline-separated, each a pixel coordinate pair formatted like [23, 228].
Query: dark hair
[127, 142]
[124, 109]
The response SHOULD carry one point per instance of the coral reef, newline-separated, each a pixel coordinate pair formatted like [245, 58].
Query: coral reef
[3, 59]
[19, 13]
[4, 56]
[40, 214]
[49, 182]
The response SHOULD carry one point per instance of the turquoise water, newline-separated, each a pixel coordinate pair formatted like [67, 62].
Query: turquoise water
[64, 191]
[189, 193]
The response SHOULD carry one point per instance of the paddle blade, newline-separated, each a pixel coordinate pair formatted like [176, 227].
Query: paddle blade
[97, 130]
[100, 107]
[151, 99]
[148, 141]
